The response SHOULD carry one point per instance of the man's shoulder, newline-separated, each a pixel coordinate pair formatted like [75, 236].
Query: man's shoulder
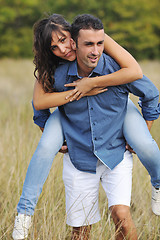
[61, 70]
[108, 58]
[110, 63]
[62, 66]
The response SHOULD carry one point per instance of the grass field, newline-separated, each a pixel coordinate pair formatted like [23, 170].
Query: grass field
[19, 138]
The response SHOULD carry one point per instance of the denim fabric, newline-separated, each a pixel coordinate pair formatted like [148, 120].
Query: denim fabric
[135, 132]
[40, 117]
[139, 138]
[40, 164]
[93, 125]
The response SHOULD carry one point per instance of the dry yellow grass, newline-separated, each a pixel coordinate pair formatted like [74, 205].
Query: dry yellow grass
[19, 138]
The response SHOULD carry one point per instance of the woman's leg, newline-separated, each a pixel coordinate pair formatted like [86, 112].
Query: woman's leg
[40, 164]
[138, 137]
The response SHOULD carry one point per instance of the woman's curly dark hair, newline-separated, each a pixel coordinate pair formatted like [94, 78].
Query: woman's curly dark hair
[45, 61]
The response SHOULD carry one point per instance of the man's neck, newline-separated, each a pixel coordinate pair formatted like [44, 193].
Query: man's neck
[84, 72]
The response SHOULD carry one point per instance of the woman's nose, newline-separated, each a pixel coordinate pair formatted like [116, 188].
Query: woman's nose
[62, 48]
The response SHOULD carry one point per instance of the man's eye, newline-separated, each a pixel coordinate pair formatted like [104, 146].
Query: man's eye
[100, 43]
[89, 44]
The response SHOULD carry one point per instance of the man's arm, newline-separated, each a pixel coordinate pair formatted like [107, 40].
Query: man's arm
[40, 116]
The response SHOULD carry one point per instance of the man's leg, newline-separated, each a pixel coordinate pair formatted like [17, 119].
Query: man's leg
[117, 184]
[124, 225]
[79, 233]
[82, 191]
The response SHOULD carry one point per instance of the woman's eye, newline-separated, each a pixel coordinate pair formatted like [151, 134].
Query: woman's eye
[63, 39]
[53, 48]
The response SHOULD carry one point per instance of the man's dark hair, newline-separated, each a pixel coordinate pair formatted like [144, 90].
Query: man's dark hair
[85, 21]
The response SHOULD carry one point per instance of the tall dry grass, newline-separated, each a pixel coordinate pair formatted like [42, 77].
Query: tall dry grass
[19, 138]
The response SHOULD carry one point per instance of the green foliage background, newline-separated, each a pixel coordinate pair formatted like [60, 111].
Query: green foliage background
[134, 24]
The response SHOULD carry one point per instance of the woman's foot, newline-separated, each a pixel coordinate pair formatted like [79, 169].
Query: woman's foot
[21, 226]
[156, 200]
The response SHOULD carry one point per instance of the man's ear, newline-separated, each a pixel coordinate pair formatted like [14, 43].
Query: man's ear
[73, 44]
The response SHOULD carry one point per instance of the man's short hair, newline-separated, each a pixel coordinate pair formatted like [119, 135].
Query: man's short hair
[85, 21]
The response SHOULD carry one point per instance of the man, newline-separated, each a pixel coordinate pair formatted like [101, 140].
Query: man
[97, 155]
[94, 152]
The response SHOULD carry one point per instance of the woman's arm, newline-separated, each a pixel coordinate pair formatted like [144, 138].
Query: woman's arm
[42, 100]
[129, 72]
[130, 69]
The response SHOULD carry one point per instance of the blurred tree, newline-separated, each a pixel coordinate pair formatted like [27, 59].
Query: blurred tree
[16, 20]
[134, 24]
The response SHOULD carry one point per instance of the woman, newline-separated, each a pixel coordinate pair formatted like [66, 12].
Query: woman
[52, 42]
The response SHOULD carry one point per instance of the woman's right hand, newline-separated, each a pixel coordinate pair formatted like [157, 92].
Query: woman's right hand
[96, 91]
[83, 87]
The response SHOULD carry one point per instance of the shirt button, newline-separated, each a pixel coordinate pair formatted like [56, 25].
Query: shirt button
[95, 138]
[94, 124]
[91, 108]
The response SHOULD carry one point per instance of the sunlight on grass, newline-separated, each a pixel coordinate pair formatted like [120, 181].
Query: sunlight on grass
[19, 138]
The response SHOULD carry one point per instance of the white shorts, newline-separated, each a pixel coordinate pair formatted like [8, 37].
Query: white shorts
[82, 189]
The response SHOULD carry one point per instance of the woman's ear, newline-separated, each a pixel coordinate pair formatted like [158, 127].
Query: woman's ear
[73, 44]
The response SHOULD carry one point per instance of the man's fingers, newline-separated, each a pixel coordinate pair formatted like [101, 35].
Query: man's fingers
[64, 149]
[129, 148]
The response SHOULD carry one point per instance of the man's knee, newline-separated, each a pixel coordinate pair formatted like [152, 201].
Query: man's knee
[121, 214]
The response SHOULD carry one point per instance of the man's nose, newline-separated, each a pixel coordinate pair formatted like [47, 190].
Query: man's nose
[95, 50]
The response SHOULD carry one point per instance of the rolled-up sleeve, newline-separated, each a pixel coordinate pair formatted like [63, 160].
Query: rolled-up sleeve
[149, 97]
[40, 117]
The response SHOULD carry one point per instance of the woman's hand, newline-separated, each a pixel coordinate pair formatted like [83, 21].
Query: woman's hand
[83, 87]
[95, 91]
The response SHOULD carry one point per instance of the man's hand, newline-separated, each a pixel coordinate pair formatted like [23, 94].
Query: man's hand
[41, 129]
[149, 124]
[64, 148]
[129, 148]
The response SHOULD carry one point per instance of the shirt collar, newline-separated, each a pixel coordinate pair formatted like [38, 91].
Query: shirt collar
[98, 69]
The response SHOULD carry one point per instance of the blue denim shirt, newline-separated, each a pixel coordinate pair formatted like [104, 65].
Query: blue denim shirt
[93, 125]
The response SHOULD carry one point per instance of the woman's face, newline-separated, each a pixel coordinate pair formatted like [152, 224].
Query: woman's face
[61, 45]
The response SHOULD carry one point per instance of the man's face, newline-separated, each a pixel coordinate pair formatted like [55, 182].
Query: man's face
[90, 45]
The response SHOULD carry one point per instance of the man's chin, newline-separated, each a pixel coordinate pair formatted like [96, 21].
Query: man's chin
[93, 65]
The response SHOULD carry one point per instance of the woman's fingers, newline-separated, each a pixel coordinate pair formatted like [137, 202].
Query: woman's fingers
[77, 95]
[70, 84]
[72, 93]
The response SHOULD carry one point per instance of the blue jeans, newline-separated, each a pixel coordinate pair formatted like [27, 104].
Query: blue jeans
[135, 131]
